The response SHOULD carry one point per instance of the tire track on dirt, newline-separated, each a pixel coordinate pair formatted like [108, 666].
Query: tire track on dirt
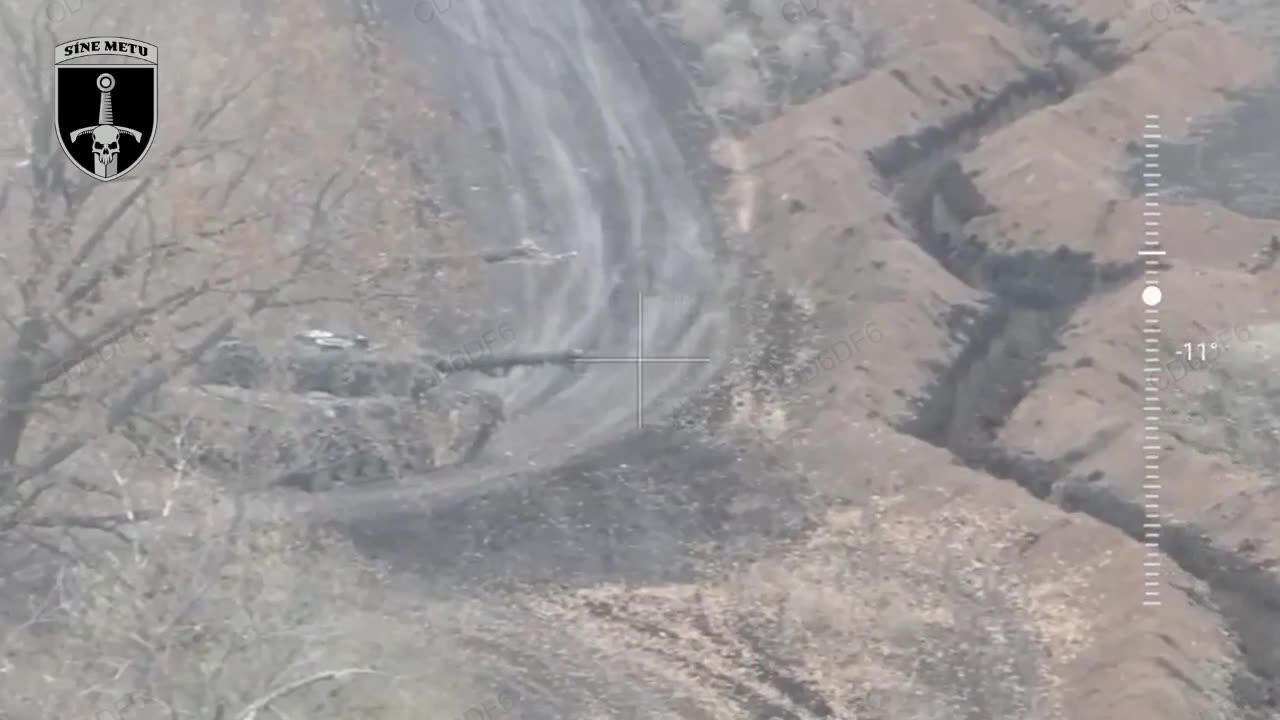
[587, 165]
[533, 556]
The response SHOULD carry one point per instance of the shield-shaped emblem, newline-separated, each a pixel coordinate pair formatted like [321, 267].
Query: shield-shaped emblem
[105, 114]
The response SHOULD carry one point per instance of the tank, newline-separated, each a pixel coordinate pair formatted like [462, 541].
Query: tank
[315, 440]
[325, 409]
[321, 361]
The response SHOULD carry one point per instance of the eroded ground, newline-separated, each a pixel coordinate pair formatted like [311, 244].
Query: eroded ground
[916, 492]
[971, 198]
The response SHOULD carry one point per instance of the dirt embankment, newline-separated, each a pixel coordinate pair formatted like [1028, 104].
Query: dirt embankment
[971, 197]
[942, 362]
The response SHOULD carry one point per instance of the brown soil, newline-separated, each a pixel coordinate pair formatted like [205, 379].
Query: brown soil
[971, 199]
[932, 439]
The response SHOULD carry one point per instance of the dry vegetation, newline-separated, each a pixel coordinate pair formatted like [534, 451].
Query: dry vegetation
[276, 193]
[880, 614]
[281, 192]
[757, 57]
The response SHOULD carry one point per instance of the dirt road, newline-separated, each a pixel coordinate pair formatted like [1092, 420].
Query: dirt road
[899, 527]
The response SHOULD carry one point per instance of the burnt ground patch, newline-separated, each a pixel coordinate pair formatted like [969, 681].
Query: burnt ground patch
[660, 506]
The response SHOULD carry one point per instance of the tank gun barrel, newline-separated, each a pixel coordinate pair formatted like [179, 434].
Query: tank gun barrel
[507, 361]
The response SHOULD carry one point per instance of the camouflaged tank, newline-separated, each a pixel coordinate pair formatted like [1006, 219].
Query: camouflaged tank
[316, 440]
[325, 409]
[321, 361]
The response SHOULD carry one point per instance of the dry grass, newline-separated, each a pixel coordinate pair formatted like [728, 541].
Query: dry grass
[881, 614]
[758, 57]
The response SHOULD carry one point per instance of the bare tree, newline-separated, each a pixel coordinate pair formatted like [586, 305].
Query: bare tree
[241, 617]
[759, 56]
[277, 184]
[271, 179]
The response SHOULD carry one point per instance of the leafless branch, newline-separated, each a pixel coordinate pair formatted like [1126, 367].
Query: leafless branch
[358, 297]
[105, 523]
[113, 329]
[100, 233]
[251, 711]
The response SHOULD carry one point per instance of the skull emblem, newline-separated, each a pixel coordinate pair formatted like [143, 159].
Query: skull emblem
[106, 145]
[106, 134]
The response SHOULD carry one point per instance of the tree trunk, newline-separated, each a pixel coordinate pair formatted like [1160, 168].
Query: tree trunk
[21, 382]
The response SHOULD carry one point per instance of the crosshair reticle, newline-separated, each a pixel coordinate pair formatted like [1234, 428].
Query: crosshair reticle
[639, 359]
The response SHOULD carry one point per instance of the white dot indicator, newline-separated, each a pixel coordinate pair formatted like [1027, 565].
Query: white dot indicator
[1151, 295]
